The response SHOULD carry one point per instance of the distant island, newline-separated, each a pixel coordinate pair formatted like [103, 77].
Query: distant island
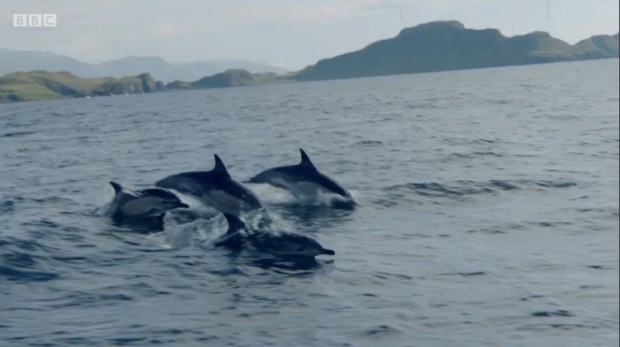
[231, 78]
[443, 46]
[430, 47]
[43, 85]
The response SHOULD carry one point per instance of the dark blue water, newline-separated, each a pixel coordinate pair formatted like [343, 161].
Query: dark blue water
[488, 214]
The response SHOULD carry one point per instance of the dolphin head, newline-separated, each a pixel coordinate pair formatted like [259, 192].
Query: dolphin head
[162, 198]
[151, 202]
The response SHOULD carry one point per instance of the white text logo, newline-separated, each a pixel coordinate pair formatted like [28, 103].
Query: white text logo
[30, 20]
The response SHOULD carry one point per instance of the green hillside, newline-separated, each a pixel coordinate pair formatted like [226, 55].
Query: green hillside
[40, 85]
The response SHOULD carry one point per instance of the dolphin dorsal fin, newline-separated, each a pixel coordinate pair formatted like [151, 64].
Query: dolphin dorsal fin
[220, 168]
[305, 160]
[117, 187]
[234, 223]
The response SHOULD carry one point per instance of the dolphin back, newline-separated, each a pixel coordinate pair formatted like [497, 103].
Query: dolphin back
[272, 176]
[217, 190]
[187, 182]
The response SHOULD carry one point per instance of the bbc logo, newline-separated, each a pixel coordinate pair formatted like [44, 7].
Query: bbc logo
[28, 20]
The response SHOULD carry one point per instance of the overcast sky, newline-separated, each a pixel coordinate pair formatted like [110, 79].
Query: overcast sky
[289, 33]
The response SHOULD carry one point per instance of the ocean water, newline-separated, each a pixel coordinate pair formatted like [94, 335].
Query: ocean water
[488, 214]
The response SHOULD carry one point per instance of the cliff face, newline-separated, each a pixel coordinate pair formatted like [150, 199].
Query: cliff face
[143, 83]
[596, 47]
[441, 46]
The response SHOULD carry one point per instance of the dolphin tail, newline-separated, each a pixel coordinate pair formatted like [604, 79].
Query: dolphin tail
[117, 187]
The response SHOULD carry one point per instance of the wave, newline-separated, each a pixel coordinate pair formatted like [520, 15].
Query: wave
[463, 188]
[19, 261]
[15, 274]
[17, 133]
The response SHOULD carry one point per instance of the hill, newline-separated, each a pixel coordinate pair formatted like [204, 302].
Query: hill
[448, 45]
[38, 85]
[159, 68]
[230, 78]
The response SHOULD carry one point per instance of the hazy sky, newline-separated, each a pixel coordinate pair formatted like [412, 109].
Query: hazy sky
[289, 33]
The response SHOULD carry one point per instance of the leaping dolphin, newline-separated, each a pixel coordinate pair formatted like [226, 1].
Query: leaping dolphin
[281, 244]
[215, 188]
[303, 179]
[143, 209]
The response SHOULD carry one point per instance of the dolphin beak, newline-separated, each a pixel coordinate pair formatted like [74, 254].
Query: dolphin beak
[327, 251]
[182, 205]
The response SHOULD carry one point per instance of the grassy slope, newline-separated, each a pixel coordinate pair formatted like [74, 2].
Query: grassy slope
[37, 85]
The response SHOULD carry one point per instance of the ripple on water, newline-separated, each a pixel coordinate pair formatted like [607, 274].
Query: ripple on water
[17, 133]
[26, 245]
[21, 261]
[7, 206]
[380, 331]
[556, 313]
[464, 188]
[14, 274]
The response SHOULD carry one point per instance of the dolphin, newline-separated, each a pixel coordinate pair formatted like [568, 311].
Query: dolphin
[281, 244]
[214, 188]
[302, 179]
[145, 207]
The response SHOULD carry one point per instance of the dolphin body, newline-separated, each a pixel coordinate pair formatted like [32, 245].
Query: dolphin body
[143, 210]
[303, 179]
[215, 188]
[282, 244]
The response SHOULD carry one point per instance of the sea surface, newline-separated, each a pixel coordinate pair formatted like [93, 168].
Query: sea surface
[488, 214]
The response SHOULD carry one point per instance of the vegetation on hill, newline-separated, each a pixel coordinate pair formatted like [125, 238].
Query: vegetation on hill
[37, 85]
[230, 78]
